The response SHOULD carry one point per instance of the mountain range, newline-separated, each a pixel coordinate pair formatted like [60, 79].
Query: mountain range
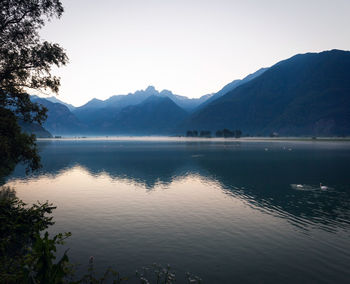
[307, 94]
[97, 112]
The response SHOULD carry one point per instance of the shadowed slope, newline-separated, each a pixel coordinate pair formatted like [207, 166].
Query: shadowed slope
[308, 94]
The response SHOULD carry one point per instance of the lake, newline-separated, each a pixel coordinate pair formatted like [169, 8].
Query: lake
[228, 211]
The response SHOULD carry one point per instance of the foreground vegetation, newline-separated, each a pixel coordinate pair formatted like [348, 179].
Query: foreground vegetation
[28, 253]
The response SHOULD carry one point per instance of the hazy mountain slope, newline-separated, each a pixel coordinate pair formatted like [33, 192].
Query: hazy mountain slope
[34, 128]
[91, 111]
[156, 115]
[60, 120]
[54, 100]
[231, 86]
[308, 94]
[92, 104]
[98, 110]
[189, 104]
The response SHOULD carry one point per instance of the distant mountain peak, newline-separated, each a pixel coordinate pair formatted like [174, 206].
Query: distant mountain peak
[95, 100]
[151, 89]
[54, 99]
[166, 92]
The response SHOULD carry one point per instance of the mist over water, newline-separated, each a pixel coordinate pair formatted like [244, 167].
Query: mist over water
[226, 211]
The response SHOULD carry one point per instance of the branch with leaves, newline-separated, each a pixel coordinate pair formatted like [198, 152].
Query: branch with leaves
[25, 65]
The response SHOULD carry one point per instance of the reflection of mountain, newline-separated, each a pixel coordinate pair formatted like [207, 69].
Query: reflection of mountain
[142, 164]
[261, 178]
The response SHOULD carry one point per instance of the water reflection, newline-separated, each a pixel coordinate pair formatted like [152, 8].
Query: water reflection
[224, 211]
[243, 170]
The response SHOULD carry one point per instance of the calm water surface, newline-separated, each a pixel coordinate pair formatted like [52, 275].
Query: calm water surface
[228, 212]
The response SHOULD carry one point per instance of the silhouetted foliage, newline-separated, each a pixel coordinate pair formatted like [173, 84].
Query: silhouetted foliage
[25, 64]
[219, 133]
[19, 227]
[15, 146]
[228, 133]
[192, 133]
[202, 133]
[205, 133]
[238, 133]
[189, 133]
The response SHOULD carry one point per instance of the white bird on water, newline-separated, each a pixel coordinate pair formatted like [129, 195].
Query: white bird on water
[323, 187]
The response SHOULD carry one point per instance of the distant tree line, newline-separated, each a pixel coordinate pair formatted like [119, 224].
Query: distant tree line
[195, 133]
[226, 133]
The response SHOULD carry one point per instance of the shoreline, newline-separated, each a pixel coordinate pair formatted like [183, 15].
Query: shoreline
[196, 139]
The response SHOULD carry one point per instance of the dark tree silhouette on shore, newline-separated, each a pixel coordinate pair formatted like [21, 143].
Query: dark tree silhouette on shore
[25, 65]
[238, 133]
[228, 133]
[189, 133]
[205, 133]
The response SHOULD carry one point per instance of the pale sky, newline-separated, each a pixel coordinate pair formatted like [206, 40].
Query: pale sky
[191, 47]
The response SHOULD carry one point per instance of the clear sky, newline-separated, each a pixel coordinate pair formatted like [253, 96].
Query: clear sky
[191, 47]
